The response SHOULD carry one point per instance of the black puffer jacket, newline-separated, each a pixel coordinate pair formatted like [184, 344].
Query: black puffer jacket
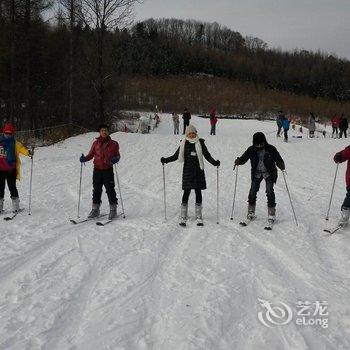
[271, 159]
[192, 176]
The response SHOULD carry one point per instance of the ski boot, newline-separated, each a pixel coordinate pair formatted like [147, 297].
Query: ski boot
[184, 209]
[112, 211]
[251, 212]
[1, 205]
[15, 205]
[344, 218]
[95, 211]
[199, 217]
[271, 218]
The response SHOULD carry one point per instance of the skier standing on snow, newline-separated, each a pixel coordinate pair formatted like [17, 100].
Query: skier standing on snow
[191, 152]
[343, 126]
[213, 121]
[263, 158]
[279, 122]
[105, 152]
[312, 125]
[10, 165]
[186, 118]
[335, 125]
[285, 126]
[341, 157]
[176, 121]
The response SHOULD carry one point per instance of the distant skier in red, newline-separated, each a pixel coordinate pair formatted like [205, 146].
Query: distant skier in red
[213, 120]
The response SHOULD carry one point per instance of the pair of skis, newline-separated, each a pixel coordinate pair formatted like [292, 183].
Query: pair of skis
[246, 222]
[98, 223]
[12, 216]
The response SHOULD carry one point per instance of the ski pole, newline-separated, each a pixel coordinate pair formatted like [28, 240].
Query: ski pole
[81, 176]
[31, 181]
[217, 195]
[234, 193]
[120, 192]
[330, 200]
[290, 199]
[164, 192]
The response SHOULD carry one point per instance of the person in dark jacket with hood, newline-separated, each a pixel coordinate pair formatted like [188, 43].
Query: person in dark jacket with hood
[190, 153]
[186, 118]
[263, 158]
[343, 126]
[105, 152]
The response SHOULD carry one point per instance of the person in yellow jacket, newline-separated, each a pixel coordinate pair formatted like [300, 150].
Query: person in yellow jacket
[10, 164]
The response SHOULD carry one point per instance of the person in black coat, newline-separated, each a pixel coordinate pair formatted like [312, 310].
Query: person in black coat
[191, 152]
[263, 158]
[186, 118]
[343, 126]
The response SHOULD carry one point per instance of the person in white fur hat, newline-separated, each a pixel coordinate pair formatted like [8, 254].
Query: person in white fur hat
[190, 153]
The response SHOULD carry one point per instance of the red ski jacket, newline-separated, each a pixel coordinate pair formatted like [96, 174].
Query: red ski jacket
[341, 157]
[335, 122]
[213, 117]
[103, 150]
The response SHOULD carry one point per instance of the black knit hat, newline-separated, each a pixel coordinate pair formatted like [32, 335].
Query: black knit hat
[103, 126]
[259, 138]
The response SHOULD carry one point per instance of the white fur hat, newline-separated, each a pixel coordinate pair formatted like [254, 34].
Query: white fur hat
[190, 128]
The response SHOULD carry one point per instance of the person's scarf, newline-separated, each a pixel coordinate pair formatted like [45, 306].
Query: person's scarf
[9, 144]
[198, 150]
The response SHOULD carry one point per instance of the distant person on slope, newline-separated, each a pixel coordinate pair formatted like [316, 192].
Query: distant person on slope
[285, 126]
[263, 159]
[10, 164]
[312, 125]
[213, 121]
[343, 126]
[190, 153]
[335, 125]
[105, 152]
[176, 122]
[341, 157]
[186, 118]
[279, 121]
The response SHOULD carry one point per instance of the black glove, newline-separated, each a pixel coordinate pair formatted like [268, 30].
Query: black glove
[163, 160]
[282, 166]
[237, 161]
[338, 158]
[31, 153]
[217, 163]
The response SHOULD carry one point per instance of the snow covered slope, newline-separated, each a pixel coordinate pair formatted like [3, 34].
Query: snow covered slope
[143, 283]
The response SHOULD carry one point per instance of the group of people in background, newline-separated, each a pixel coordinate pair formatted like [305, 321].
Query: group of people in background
[340, 126]
[186, 117]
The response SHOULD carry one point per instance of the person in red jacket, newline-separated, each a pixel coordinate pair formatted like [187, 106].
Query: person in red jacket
[213, 120]
[105, 152]
[335, 125]
[341, 157]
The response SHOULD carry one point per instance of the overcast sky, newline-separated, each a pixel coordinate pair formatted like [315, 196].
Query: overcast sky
[287, 24]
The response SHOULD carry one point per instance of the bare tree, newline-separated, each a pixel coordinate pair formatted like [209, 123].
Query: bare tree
[104, 15]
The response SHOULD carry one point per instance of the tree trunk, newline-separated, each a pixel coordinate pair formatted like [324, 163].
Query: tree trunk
[28, 108]
[71, 60]
[100, 70]
[12, 59]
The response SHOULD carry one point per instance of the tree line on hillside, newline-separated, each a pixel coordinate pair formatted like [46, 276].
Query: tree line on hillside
[68, 69]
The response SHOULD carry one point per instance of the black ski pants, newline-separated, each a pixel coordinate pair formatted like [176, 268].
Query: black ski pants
[104, 178]
[342, 131]
[186, 123]
[186, 195]
[10, 178]
[254, 189]
[346, 203]
[213, 129]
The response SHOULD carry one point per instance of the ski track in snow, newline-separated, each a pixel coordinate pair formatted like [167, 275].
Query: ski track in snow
[146, 283]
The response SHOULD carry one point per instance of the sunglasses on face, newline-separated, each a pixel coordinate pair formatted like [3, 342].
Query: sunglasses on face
[8, 133]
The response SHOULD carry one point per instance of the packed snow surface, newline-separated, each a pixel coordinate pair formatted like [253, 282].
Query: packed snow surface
[146, 283]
